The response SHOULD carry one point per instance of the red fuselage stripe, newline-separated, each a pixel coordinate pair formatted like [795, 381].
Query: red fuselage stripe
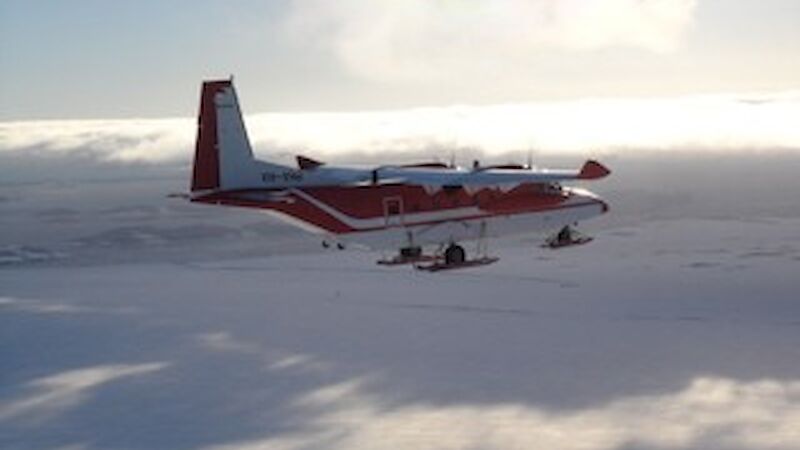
[368, 203]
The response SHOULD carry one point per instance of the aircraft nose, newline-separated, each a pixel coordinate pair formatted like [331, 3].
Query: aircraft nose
[599, 201]
[591, 197]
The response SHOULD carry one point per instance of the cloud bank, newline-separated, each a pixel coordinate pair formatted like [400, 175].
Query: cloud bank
[55, 393]
[710, 412]
[599, 127]
[422, 40]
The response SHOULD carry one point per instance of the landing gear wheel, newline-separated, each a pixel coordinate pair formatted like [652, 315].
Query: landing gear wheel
[454, 254]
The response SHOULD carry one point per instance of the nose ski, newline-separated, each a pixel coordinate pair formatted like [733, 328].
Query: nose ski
[566, 237]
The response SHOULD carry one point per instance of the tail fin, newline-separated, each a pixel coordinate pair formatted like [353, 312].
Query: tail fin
[223, 158]
[593, 170]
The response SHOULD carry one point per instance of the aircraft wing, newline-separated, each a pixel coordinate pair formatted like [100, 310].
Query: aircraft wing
[591, 170]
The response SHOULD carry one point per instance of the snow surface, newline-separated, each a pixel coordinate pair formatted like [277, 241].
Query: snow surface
[130, 321]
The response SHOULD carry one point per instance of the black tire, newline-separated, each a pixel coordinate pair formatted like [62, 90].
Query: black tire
[455, 254]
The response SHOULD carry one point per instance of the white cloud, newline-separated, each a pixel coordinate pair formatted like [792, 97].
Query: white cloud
[709, 413]
[423, 40]
[274, 359]
[224, 342]
[590, 127]
[61, 391]
[112, 140]
[41, 307]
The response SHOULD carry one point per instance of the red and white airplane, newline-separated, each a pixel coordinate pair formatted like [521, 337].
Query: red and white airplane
[405, 207]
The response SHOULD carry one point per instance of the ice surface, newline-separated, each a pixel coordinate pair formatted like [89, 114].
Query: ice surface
[131, 321]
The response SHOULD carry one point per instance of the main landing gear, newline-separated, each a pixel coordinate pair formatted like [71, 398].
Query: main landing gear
[455, 257]
[452, 256]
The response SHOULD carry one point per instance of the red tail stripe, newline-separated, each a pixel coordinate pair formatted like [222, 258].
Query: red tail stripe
[206, 154]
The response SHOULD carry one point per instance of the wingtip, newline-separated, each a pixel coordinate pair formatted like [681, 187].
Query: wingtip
[593, 170]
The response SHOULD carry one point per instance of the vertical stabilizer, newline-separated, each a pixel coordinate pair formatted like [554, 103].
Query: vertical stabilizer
[223, 157]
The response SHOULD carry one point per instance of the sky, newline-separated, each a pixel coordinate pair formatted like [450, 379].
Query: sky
[94, 59]
[91, 82]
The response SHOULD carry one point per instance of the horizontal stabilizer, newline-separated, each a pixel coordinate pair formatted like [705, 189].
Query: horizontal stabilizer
[306, 163]
[592, 170]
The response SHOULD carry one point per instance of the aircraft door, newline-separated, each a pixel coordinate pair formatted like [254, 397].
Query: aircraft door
[393, 211]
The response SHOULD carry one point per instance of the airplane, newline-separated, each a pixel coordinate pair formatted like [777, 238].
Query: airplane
[404, 207]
